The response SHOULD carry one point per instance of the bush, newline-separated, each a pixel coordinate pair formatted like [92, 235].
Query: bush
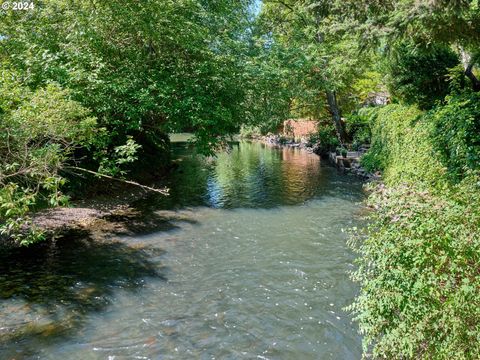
[456, 133]
[402, 147]
[38, 133]
[419, 74]
[358, 129]
[419, 273]
[407, 143]
[325, 140]
[420, 254]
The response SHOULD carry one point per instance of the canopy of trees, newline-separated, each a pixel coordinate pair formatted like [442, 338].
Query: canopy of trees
[101, 84]
[98, 85]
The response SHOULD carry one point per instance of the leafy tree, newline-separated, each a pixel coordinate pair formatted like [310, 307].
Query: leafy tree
[418, 74]
[143, 68]
[102, 83]
[39, 131]
[453, 23]
[456, 134]
[333, 60]
[269, 84]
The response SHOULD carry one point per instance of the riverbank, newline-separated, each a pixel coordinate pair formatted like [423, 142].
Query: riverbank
[349, 163]
[419, 257]
[247, 257]
[118, 211]
[113, 211]
[89, 214]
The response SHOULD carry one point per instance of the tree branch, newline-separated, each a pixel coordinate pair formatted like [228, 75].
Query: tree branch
[164, 191]
[292, 10]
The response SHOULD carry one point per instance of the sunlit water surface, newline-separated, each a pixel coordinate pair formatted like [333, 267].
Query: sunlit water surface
[249, 262]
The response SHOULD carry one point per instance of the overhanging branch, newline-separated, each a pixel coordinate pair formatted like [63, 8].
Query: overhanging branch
[163, 191]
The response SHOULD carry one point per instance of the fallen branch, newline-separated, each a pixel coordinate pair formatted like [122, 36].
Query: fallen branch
[163, 191]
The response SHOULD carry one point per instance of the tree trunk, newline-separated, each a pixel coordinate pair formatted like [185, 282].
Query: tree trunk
[331, 95]
[336, 116]
[469, 73]
[468, 64]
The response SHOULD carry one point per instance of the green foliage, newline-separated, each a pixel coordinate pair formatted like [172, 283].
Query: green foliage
[443, 21]
[357, 127]
[420, 251]
[456, 134]
[369, 83]
[123, 154]
[419, 273]
[401, 146]
[410, 144]
[418, 74]
[249, 131]
[143, 68]
[39, 131]
[457, 80]
[274, 72]
[323, 66]
[325, 140]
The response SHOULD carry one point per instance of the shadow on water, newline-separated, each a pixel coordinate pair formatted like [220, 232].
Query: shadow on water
[52, 293]
[48, 290]
[56, 285]
[141, 218]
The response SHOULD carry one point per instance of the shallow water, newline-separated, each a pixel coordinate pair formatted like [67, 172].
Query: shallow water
[249, 262]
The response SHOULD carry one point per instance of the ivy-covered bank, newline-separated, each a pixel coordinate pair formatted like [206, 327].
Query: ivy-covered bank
[419, 264]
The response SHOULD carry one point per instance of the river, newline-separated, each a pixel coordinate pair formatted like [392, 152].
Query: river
[247, 260]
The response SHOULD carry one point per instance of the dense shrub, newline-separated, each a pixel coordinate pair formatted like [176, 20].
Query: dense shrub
[325, 140]
[419, 269]
[420, 254]
[402, 146]
[456, 134]
[357, 127]
[409, 143]
[38, 132]
[418, 74]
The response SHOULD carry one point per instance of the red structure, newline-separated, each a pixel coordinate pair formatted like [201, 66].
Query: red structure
[299, 128]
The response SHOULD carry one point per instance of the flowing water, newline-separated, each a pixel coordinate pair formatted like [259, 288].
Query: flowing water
[247, 259]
